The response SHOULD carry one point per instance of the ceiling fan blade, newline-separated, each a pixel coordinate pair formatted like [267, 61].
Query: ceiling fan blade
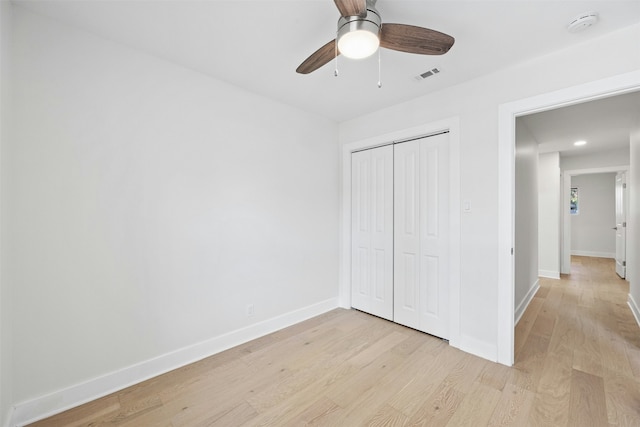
[318, 58]
[352, 7]
[411, 39]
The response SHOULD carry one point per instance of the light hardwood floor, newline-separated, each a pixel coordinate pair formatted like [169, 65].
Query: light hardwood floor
[577, 364]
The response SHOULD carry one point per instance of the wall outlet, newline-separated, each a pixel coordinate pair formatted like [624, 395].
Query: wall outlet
[250, 310]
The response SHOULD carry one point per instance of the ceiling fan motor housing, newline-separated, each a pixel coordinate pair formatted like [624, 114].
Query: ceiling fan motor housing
[370, 22]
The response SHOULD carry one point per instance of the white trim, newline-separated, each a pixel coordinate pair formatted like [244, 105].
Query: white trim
[522, 307]
[506, 233]
[548, 274]
[478, 348]
[635, 309]
[453, 126]
[28, 412]
[507, 113]
[565, 257]
[594, 254]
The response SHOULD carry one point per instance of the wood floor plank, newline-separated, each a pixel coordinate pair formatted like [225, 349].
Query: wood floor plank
[387, 416]
[555, 379]
[544, 324]
[321, 412]
[495, 375]
[552, 399]
[587, 405]
[304, 370]
[587, 357]
[83, 415]
[529, 364]
[425, 376]
[623, 399]
[237, 415]
[464, 374]
[292, 408]
[365, 379]
[613, 351]
[476, 408]
[523, 328]
[633, 354]
[438, 408]
[513, 408]
[399, 374]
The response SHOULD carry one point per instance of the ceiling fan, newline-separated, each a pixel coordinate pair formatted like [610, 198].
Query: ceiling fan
[361, 32]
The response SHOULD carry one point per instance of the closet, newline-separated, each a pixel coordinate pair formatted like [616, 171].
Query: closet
[400, 233]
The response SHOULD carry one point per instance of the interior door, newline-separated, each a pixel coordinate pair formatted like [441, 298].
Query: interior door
[372, 231]
[621, 225]
[421, 240]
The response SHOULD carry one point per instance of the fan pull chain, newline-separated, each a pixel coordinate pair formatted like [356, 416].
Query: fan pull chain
[335, 72]
[379, 70]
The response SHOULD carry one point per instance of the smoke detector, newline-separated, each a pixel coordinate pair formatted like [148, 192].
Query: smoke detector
[582, 22]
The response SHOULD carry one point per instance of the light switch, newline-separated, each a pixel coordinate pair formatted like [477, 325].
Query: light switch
[466, 206]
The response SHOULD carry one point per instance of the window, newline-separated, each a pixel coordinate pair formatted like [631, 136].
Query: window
[573, 201]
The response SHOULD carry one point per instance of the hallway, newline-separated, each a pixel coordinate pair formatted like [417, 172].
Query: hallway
[579, 347]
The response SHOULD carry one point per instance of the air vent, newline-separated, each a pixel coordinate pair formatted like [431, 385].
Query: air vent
[426, 74]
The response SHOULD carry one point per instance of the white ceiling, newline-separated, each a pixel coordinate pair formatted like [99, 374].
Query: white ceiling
[258, 44]
[604, 124]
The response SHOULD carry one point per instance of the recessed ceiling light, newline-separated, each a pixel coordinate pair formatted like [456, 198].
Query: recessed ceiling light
[579, 143]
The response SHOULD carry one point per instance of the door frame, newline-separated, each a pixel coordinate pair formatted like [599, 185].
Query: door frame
[507, 114]
[565, 262]
[621, 198]
[452, 125]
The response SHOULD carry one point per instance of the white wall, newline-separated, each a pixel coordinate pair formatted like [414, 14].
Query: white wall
[618, 157]
[476, 104]
[591, 228]
[549, 190]
[633, 234]
[526, 218]
[148, 206]
[6, 382]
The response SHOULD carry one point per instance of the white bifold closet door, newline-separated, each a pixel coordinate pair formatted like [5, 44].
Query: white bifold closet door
[372, 231]
[421, 234]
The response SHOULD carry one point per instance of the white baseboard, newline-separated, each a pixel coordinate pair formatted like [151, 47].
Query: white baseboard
[28, 412]
[478, 348]
[635, 309]
[520, 309]
[549, 274]
[594, 254]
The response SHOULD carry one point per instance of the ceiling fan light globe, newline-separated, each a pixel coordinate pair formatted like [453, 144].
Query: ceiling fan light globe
[358, 44]
[359, 37]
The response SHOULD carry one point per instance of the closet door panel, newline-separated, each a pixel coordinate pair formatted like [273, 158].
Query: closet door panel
[372, 231]
[406, 234]
[421, 288]
[361, 236]
[434, 237]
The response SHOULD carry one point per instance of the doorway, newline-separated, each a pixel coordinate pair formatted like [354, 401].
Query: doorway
[508, 112]
[618, 237]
